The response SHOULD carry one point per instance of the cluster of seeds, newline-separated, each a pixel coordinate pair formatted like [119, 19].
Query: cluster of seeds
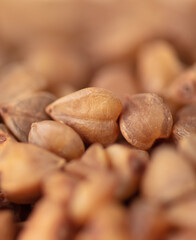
[97, 153]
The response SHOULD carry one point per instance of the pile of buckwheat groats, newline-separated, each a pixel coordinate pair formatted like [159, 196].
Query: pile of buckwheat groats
[98, 120]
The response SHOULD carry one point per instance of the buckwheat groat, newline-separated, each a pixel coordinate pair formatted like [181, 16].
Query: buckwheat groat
[158, 65]
[17, 80]
[168, 177]
[129, 165]
[182, 90]
[92, 112]
[63, 89]
[57, 62]
[23, 167]
[59, 186]
[91, 194]
[58, 138]
[48, 221]
[126, 166]
[184, 128]
[187, 112]
[186, 147]
[20, 113]
[181, 213]
[81, 170]
[110, 222]
[144, 119]
[185, 124]
[95, 156]
[148, 217]
[117, 78]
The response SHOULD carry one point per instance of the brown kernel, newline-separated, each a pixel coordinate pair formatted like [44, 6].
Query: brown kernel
[168, 177]
[129, 164]
[148, 217]
[144, 119]
[181, 214]
[59, 187]
[158, 65]
[108, 223]
[92, 112]
[81, 170]
[17, 80]
[186, 122]
[58, 63]
[187, 112]
[58, 138]
[117, 78]
[48, 221]
[62, 89]
[95, 156]
[186, 147]
[23, 111]
[90, 194]
[23, 167]
[183, 90]
[184, 128]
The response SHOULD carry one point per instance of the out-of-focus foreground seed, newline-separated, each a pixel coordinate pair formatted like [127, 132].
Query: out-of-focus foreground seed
[108, 223]
[144, 119]
[81, 170]
[158, 65]
[168, 177]
[129, 164]
[181, 214]
[187, 147]
[7, 228]
[90, 194]
[125, 164]
[48, 221]
[95, 156]
[17, 80]
[22, 168]
[58, 138]
[186, 122]
[19, 114]
[92, 112]
[117, 78]
[146, 221]
[59, 186]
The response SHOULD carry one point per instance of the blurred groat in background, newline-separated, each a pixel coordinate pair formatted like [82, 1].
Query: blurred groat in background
[102, 30]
